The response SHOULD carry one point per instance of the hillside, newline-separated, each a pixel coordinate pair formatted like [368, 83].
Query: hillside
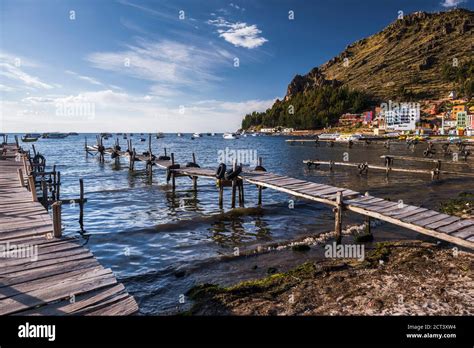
[411, 59]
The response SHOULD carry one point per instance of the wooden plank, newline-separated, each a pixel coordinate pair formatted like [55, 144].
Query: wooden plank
[464, 233]
[124, 307]
[55, 292]
[444, 222]
[419, 216]
[430, 220]
[458, 225]
[82, 302]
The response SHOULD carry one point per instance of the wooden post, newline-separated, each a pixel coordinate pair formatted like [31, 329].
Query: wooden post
[58, 186]
[20, 177]
[367, 225]
[25, 166]
[338, 218]
[260, 195]
[173, 181]
[32, 187]
[234, 185]
[16, 142]
[44, 191]
[81, 203]
[56, 208]
[195, 178]
[242, 199]
[85, 147]
[132, 164]
[221, 194]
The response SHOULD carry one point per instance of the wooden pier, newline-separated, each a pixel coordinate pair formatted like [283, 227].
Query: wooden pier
[59, 276]
[428, 222]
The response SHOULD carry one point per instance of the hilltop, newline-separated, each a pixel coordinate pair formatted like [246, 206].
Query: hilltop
[420, 56]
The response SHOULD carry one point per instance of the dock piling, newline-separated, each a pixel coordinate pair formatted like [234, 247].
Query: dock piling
[56, 209]
[338, 217]
[20, 177]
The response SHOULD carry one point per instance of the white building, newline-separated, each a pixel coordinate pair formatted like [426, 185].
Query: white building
[402, 118]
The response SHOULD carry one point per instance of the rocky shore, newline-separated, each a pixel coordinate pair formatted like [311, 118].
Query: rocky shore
[397, 278]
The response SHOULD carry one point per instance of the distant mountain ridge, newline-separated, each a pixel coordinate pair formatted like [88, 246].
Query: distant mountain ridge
[408, 54]
[420, 56]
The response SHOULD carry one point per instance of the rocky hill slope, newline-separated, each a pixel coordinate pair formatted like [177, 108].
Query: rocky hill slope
[407, 57]
[420, 56]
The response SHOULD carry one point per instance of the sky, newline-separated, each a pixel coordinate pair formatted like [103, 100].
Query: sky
[169, 66]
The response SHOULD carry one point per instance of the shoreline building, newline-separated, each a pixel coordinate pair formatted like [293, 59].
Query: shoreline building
[401, 117]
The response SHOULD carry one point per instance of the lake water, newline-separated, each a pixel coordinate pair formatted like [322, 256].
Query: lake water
[159, 243]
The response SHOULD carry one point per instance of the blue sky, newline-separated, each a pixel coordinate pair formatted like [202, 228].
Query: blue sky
[117, 65]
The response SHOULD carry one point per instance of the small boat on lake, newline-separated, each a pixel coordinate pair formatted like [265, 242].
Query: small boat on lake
[230, 136]
[197, 135]
[55, 135]
[328, 136]
[179, 134]
[29, 137]
[159, 135]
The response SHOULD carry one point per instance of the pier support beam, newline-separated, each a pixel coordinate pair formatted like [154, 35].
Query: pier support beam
[338, 218]
[173, 179]
[367, 225]
[221, 194]
[20, 177]
[234, 185]
[81, 203]
[32, 188]
[56, 208]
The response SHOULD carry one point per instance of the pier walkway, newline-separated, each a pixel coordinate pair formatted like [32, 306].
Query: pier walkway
[59, 276]
[428, 222]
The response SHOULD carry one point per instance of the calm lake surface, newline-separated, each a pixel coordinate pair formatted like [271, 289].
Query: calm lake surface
[161, 243]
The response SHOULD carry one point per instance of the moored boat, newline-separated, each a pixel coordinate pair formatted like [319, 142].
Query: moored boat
[29, 138]
[55, 135]
[229, 136]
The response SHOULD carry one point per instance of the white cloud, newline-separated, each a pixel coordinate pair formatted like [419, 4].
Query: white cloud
[84, 78]
[451, 3]
[11, 68]
[164, 62]
[115, 111]
[239, 34]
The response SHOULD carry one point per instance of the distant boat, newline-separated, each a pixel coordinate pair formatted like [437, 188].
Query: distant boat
[179, 134]
[142, 139]
[55, 135]
[29, 138]
[328, 136]
[197, 135]
[119, 133]
[229, 136]
[72, 133]
[159, 135]
[213, 134]
[208, 134]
